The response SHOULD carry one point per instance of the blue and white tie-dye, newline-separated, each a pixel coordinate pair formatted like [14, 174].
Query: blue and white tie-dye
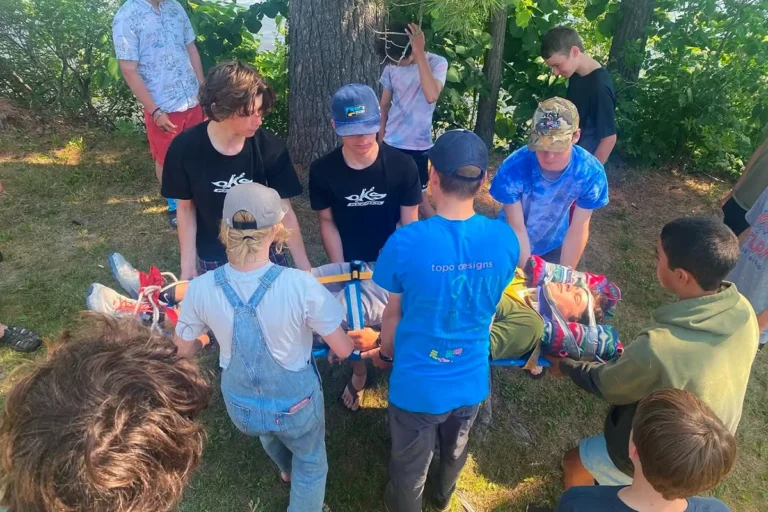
[409, 123]
[546, 202]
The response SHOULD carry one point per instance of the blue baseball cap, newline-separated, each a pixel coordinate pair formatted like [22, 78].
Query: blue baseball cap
[456, 149]
[355, 111]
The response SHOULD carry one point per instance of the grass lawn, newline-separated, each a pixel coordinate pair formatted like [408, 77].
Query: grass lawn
[73, 196]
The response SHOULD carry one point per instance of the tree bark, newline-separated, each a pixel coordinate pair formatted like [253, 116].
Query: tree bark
[492, 67]
[630, 37]
[331, 43]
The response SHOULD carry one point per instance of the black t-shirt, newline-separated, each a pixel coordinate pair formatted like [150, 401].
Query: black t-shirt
[595, 99]
[195, 170]
[365, 203]
[605, 499]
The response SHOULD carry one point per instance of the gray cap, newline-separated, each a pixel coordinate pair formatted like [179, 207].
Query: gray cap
[263, 203]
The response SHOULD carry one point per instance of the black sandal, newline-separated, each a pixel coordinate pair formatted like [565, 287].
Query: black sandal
[357, 393]
[21, 339]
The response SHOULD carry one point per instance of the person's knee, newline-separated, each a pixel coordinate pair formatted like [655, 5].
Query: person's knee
[572, 461]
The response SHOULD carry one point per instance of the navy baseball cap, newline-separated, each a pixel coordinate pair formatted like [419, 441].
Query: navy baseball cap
[356, 111]
[456, 149]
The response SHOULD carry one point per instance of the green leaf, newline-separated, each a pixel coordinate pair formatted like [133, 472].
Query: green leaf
[461, 50]
[113, 66]
[449, 52]
[522, 17]
[253, 24]
[607, 25]
[453, 75]
[270, 8]
[595, 9]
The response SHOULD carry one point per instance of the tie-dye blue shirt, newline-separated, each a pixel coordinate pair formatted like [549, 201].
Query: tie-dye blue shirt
[409, 123]
[547, 202]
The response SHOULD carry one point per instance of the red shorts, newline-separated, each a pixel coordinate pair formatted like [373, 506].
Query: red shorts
[160, 140]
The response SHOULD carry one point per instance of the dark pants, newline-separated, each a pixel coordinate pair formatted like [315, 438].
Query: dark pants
[422, 164]
[553, 256]
[734, 216]
[278, 258]
[413, 444]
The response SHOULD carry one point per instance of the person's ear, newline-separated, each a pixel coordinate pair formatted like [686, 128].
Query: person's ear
[576, 136]
[575, 51]
[682, 276]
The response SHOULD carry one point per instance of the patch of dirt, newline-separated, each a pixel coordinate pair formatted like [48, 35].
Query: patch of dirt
[12, 116]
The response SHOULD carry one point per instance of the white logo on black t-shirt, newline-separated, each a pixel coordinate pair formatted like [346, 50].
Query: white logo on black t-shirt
[224, 186]
[366, 198]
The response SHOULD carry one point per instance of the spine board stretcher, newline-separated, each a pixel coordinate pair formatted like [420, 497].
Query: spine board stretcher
[348, 278]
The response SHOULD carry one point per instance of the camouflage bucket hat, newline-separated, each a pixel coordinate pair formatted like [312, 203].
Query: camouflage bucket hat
[553, 125]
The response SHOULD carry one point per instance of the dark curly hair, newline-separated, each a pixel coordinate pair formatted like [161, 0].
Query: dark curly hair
[106, 423]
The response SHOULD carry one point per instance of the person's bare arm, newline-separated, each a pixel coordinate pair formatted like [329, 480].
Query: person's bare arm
[187, 226]
[194, 58]
[385, 104]
[748, 168]
[187, 349]
[130, 70]
[329, 233]
[605, 147]
[576, 238]
[516, 219]
[341, 344]
[295, 241]
[390, 319]
[743, 236]
[430, 85]
[408, 214]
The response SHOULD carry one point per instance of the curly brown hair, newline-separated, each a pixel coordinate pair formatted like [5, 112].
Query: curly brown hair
[106, 423]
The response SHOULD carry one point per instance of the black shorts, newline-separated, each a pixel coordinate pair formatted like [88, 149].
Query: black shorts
[734, 216]
[421, 158]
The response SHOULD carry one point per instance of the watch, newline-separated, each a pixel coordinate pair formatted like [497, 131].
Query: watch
[386, 359]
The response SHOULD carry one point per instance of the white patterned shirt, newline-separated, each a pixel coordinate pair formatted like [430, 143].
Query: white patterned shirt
[158, 41]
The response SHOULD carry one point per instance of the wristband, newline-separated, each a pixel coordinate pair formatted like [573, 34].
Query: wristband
[152, 115]
[386, 359]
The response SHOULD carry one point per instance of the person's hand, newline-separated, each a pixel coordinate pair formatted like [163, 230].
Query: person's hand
[164, 123]
[378, 362]
[365, 339]
[417, 39]
[555, 370]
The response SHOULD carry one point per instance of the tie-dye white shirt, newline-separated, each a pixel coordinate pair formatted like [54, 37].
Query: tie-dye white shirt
[158, 41]
[409, 124]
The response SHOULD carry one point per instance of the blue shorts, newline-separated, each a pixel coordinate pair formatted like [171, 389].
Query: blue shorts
[593, 453]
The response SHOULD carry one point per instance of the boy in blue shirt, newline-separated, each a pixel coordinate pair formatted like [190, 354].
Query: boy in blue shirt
[538, 184]
[445, 276]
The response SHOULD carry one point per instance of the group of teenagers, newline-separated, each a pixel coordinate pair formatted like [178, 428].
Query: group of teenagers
[131, 438]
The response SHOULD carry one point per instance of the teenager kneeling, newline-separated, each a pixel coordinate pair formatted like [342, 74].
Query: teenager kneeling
[263, 316]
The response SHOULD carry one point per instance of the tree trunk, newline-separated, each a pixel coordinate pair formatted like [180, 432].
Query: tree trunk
[492, 67]
[629, 38]
[331, 43]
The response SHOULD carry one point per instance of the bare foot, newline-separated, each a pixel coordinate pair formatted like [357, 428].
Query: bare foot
[285, 477]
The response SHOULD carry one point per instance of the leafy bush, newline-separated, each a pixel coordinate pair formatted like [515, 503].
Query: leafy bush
[56, 56]
[700, 100]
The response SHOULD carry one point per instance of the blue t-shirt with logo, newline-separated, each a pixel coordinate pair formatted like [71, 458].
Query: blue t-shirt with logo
[547, 197]
[451, 275]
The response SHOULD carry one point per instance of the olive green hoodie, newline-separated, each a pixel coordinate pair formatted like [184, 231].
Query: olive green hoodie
[704, 345]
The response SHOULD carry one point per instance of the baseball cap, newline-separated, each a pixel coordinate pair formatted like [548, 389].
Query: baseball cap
[263, 203]
[355, 111]
[456, 149]
[553, 125]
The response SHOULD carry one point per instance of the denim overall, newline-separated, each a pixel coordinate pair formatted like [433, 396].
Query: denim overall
[259, 393]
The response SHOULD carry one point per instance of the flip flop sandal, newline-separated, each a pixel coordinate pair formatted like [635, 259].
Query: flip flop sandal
[358, 393]
[21, 339]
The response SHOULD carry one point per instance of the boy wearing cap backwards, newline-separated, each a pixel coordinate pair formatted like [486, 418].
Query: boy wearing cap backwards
[263, 316]
[538, 184]
[704, 343]
[412, 80]
[205, 162]
[445, 276]
[590, 88]
[361, 191]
